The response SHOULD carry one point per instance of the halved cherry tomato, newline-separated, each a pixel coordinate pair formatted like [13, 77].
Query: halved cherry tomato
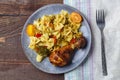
[38, 35]
[73, 40]
[75, 17]
[30, 30]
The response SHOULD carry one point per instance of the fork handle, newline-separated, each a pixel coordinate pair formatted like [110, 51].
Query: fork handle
[104, 65]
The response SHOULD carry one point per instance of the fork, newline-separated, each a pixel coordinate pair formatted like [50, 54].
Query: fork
[100, 20]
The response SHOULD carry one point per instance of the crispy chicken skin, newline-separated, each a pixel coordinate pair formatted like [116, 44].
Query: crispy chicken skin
[62, 56]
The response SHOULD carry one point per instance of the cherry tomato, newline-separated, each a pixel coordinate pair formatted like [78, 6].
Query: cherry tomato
[73, 40]
[38, 35]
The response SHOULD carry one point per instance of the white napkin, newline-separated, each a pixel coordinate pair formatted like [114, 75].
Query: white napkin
[92, 68]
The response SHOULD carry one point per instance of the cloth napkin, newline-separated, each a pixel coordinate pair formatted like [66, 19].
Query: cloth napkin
[91, 69]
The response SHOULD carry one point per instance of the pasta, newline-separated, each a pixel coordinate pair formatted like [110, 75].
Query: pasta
[54, 31]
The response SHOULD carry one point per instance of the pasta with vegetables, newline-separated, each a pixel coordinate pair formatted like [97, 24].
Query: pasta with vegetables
[51, 32]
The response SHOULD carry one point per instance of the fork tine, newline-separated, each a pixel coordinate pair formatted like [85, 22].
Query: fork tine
[101, 12]
[97, 15]
[103, 16]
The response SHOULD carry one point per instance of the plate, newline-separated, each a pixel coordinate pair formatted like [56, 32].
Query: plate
[45, 65]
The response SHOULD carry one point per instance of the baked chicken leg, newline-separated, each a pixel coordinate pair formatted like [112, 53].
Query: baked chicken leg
[62, 56]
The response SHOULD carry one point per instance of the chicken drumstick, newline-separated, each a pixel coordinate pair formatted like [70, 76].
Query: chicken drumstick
[62, 56]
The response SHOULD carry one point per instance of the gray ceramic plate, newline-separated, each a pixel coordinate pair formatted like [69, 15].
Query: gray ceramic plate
[45, 65]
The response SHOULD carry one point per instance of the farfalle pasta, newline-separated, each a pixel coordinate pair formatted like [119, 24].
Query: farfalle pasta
[53, 32]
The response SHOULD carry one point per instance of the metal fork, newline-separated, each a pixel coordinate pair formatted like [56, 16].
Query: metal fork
[100, 20]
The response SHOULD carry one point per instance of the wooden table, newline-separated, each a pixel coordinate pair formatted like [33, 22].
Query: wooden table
[13, 63]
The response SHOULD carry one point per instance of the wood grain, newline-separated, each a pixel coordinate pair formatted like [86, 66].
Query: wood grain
[24, 72]
[11, 32]
[13, 63]
[23, 7]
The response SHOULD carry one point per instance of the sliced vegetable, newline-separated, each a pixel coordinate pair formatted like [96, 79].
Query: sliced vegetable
[38, 35]
[73, 40]
[30, 30]
[76, 17]
[42, 50]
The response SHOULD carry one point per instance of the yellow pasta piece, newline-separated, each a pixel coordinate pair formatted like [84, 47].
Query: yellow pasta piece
[64, 43]
[50, 43]
[59, 26]
[44, 37]
[57, 34]
[69, 37]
